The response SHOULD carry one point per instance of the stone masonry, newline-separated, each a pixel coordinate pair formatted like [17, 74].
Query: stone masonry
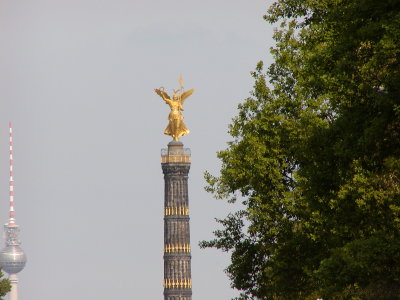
[177, 252]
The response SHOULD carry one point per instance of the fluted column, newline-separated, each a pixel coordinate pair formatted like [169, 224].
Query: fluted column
[175, 162]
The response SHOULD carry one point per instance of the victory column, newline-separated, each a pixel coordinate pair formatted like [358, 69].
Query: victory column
[175, 163]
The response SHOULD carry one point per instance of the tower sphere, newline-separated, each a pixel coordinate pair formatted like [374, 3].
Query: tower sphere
[12, 259]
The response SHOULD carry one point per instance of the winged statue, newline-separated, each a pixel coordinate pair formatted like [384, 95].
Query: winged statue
[176, 128]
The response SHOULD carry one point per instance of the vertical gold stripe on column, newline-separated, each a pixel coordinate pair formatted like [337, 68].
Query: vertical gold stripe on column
[168, 248]
[178, 211]
[181, 283]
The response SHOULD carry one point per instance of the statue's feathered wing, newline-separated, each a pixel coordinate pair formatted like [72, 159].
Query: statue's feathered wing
[186, 95]
[162, 93]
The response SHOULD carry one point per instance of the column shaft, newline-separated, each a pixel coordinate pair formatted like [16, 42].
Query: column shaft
[177, 252]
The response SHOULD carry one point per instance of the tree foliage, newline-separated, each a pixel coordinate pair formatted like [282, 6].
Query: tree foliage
[5, 285]
[315, 158]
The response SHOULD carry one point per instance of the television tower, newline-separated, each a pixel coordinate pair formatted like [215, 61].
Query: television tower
[12, 257]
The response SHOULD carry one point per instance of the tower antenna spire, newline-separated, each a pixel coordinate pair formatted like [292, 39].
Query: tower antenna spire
[11, 220]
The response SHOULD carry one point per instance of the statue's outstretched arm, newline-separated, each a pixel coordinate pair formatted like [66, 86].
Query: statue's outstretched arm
[162, 94]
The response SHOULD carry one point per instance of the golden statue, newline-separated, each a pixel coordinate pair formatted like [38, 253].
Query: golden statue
[176, 128]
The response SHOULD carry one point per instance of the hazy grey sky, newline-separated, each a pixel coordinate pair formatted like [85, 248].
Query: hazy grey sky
[77, 80]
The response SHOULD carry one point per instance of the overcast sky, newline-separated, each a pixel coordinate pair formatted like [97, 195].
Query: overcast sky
[77, 80]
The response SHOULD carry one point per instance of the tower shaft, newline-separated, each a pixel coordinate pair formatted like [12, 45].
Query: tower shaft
[13, 295]
[177, 252]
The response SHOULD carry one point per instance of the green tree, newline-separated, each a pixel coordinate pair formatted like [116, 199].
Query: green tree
[315, 158]
[5, 285]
